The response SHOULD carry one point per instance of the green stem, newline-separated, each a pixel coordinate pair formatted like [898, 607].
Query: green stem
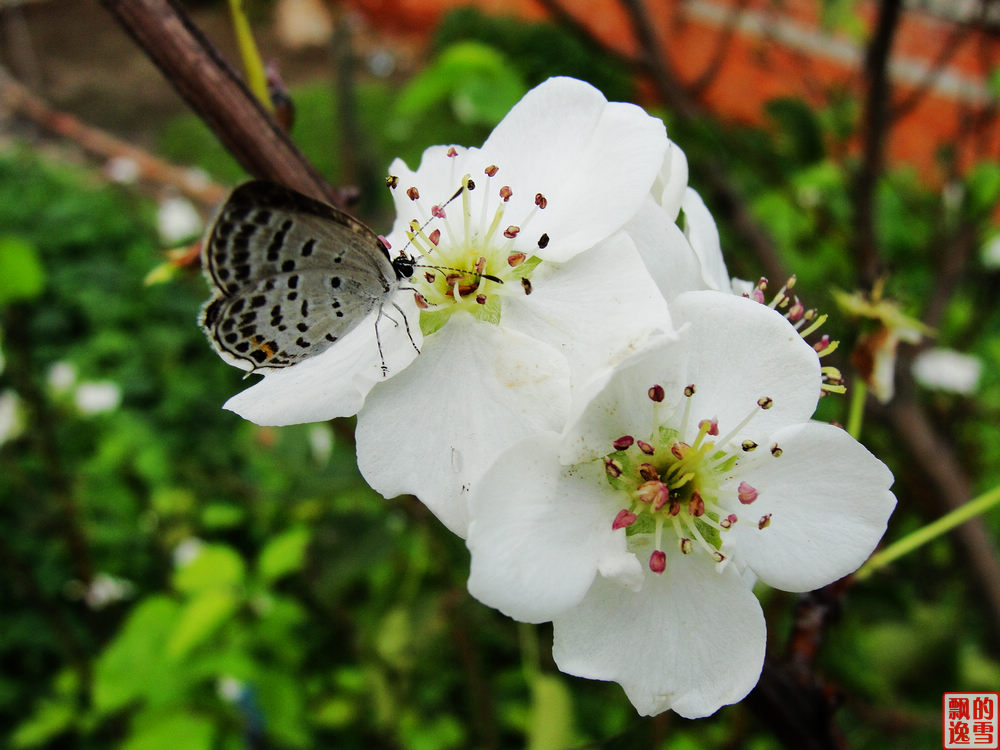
[856, 410]
[256, 78]
[531, 661]
[931, 531]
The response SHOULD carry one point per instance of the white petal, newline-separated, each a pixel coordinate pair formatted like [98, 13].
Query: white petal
[593, 160]
[699, 226]
[596, 308]
[335, 382]
[615, 401]
[474, 391]
[691, 640]
[539, 531]
[671, 182]
[829, 502]
[665, 250]
[740, 351]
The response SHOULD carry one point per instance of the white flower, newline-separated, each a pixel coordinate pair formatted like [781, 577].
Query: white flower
[947, 370]
[107, 589]
[11, 416]
[539, 209]
[177, 220]
[98, 396]
[61, 376]
[676, 235]
[990, 253]
[684, 472]
[874, 355]
[560, 175]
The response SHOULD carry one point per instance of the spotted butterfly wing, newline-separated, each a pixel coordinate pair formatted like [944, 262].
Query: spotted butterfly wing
[291, 275]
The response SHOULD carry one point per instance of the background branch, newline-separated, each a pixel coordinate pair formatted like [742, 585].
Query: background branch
[875, 120]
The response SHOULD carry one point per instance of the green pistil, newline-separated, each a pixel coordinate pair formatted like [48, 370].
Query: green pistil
[480, 297]
[689, 473]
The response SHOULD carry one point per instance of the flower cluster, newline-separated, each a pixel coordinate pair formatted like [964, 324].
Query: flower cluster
[621, 433]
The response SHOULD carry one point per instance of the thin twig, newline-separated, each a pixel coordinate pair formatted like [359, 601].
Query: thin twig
[947, 51]
[20, 101]
[722, 44]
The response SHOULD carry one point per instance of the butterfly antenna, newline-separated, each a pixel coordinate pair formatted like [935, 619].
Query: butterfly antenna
[488, 277]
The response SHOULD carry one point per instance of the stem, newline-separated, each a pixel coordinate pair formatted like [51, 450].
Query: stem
[527, 636]
[252, 65]
[931, 531]
[856, 409]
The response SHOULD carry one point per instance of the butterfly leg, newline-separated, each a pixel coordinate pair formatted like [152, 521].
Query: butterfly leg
[407, 324]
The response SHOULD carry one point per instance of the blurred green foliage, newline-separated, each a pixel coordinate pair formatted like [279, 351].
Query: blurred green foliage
[537, 51]
[179, 578]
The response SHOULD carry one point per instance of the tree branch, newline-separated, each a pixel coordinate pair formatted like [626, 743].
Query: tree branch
[875, 121]
[213, 90]
[188, 181]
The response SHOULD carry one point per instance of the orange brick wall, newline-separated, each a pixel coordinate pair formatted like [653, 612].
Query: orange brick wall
[761, 63]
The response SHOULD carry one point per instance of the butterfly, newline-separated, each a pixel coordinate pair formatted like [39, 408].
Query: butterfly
[291, 276]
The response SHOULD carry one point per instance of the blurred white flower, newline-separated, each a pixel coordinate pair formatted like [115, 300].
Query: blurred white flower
[943, 369]
[122, 169]
[106, 589]
[61, 377]
[229, 688]
[178, 221]
[98, 396]
[874, 355]
[11, 417]
[321, 442]
[990, 254]
[187, 550]
[303, 23]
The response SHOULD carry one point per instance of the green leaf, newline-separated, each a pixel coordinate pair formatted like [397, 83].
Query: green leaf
[394, 639]
[215, 565]
[170, 732]
[200, 618]
[133, 663]
[283, 702]
[51, 718]
[222, 515]
[22, 275]
[475, 79]
[284, 554]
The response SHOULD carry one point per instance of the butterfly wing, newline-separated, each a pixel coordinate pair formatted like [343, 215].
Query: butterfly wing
[292, 276]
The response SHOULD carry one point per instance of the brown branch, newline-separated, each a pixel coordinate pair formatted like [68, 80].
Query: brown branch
[213, 90]
[875, 120]
[20, 101]
[561, 15]
[903, 108]
[704, 79]
[655, 60]
[953, 260]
